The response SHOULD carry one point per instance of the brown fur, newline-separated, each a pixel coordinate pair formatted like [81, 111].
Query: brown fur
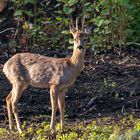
[58, 74]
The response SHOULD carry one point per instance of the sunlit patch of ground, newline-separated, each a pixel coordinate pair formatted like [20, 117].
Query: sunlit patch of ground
[126, 127]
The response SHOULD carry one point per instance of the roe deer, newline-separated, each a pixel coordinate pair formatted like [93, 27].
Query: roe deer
[25, 69]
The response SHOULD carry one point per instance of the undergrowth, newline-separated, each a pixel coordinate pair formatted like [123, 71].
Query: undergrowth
[126, 128]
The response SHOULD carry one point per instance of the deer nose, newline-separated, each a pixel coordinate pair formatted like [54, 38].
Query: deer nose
[80, 47]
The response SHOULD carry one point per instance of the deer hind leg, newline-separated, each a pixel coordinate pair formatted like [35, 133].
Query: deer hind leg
[54, 98]
[9, 110]
[61, 105]
[16, 94]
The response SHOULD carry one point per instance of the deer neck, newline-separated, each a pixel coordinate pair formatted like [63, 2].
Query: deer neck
[77, 59]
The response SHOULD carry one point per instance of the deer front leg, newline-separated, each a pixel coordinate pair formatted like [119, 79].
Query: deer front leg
[61, 105]
[54, 98]
[17, 90]
[9, 110]
[16, 94]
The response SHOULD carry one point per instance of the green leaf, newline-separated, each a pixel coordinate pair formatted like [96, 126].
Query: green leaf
[72, 2]
[100, 22]
[87, 4]
[29, 13]
[59, 18]
[67, 10]
[64, 1]
[58, 12]
[105, 11]
[29, 1]
[96, 30]
[106, 22]
[65, 32]
[71, 41]
[97, 8]
[18, 13]
[123, 2]
[70, 47]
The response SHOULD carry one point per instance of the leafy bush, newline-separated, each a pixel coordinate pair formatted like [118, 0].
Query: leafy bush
[45, 23]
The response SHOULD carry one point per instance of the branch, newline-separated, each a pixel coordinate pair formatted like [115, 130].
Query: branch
[133, 43]
[8, 29]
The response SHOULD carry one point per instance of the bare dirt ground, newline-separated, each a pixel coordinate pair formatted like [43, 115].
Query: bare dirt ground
[108, 85]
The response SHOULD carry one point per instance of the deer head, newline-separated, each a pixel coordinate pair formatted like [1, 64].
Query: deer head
[79, 35]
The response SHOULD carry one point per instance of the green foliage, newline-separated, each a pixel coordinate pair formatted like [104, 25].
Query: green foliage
[137, 126]
[96, 130]
[115, 22]
[3, 131]
[68, 136]
[133, 30]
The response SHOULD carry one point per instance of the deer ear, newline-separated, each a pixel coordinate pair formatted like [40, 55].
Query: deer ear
[88, 30]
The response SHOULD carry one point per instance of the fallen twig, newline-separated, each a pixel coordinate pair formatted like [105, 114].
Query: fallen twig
[126, 84]
[8, 29]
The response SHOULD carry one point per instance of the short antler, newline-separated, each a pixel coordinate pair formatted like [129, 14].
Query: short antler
[83, 22]
[77, 20]
[71, 26]
[71, 22]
